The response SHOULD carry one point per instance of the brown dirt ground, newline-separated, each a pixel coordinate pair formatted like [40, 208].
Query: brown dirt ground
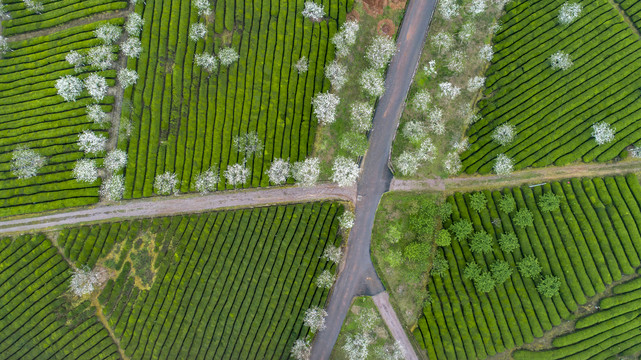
[397, 4]
[374, 7]
[386, 27]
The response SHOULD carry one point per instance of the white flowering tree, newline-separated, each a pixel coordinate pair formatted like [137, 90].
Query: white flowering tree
[422, 101]
[486, 52]
[203, 7]
[475, 84]
[504, 134]
[503, 165]
[415, 131]
[301, 65]
[166, 183]
[456, 63]
[427, 150]
[346, 220]
[313, 11]
[315, 319]
[336, 73]
[95, 114]
[430, 69]
[361, 114]
[435, 121]
[477, 7]
[127, 77]
[115, 160]
[76, 59]
[345, 172]
[91, 143]
[248, 144]
[635, 152]
[108, 33]
[356, 347]
[569, 12]
[443, 41]
[380, 51]
[134, 24]
[236, 174]
[306, 172]
[561, 61]
[85, 170]
[466, 32]
[333, 254]
[25, 162]
[325, 280]
[372, 82]
[407, 163]
[603, 133]
[132, 47]
[34, 6]
[206, 181]
[84, 280]
[301, 350]
[69, 87]
[452, 163]
[325, 107]
[4, 46]
[227, 56]
[460, 145]
[96, 86]
[114, 188]
[448, 9]
[207, 61]
[4, 14]
[197, 31]
[278, 172]
[448, 90]
[100, 57]
[345, 38]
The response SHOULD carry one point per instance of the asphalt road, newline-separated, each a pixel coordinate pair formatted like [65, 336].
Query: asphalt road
[358, 277]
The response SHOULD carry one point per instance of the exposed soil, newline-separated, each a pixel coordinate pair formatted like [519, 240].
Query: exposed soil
[374, 7]
[397, 4]
[353, 15]
[386, 27]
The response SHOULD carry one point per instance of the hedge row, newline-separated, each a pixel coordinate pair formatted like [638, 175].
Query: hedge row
[184, 119]
[552, 110]
[590, 241]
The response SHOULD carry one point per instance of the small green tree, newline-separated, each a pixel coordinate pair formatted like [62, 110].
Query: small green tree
[549, 286]
[418, 251]
[443, 238]
[529, 266]
[462, 229]
[472, 270]
[501, 271]
[509, 242]
[478, 201]
[481, 242]
[393, 234]
[440, 266]
[394, 258]
[423, 221]
[484, 282]
[523, 218]
[549, 202]
[507, 203]
[445, 211]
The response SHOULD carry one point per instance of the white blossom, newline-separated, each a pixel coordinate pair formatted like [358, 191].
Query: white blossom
[475, 83]
[356, 347]
[91, 143]
[436, 122]
[315, 318]
[486, 53]
[635, 152]
[333, 254]
[503, 165]
[443, 41]
[504, 134]
[76, 59]
[69, 87]
[100, 57]
[207, 62]
[496, 26]
[414, 130]
[430, 69]
[427, 151]
[248, 143]
[313, 11]
[392, 352]
[372, 82]
[466, 32]
[197, 31]
[85, 170]
[301, 350]
[460, 145]
[132, 47]
[127, 77]
[236, 174]
[452, 163]
[25, 162]
[96, 86]
[166, 183]
[84, 281]
[569, 12]
[114, 188]
[115, 160]
[325, 107]
[34, 6]
[4, 14]
[336, 73]
[301, 65]
[227, 56]
[466, 112]
[278, 171]
[108, 33]
[561, 60]
[380, 51]
[206, 181]
[203, 7]
[95, 114]
[422, 101]
[361, 114]
[456, 64]
[346, 220]
[345, 37]
[325, 280]
[407, 163]
[306, 172]
[603, 133]
[134, 24]
[449, 90]
[345, 172]
[448, 9]
[477, 7]
[4, 46]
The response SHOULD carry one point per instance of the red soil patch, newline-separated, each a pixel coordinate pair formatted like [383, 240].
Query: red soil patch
[374, 7]
[397, 4]
[386, 27]
[353, 15]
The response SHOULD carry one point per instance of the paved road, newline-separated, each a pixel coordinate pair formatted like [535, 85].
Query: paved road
[358, 277]
[174, 205]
